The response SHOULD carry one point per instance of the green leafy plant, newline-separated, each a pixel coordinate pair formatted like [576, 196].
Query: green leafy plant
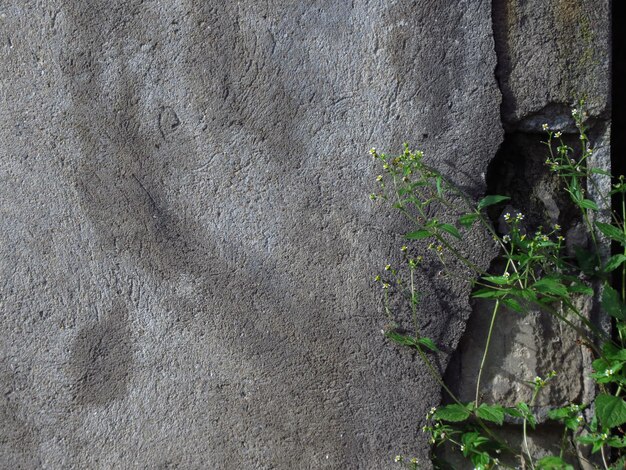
[539, 275]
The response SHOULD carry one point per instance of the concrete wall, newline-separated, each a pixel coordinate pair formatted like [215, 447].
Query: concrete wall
[187, 245]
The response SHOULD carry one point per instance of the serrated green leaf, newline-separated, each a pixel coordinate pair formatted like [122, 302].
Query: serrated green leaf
[451, 229]
[553, 462]
[428, 343]
[587, 439]
[587, 204]
[611, 231]
[600, 364]
[613, 353]
[527, 414]
[514, 412]
[493, 413]
[612, 304]
[403, 340]
[480, 460]
[513, 305]
[572, 423]
[580, 288]
[467, 220]
[560, 413]
[587, 260]
[499, 280]
[616, 442]
[526, 294]
[406, 340]
[418, 234]
[454, 413]
[551, 287]
[439, 186]
[487, 293]
[614, 262]
[610, 410]
[593, 426]
[491, 200]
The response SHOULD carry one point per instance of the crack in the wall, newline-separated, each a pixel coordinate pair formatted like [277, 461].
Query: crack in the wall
[535, 343]
[518, 170]
[499, 9]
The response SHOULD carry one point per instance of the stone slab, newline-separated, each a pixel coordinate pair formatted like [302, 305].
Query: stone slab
[187, 244]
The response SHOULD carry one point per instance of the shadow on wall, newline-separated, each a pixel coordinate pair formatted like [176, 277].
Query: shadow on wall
[102, 357]
[119, 181]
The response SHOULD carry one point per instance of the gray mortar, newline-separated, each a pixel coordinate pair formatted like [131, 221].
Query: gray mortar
[187, 244]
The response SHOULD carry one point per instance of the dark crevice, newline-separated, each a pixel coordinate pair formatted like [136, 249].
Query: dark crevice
[618, 121]
[618, 97]
[499, 15]
[518, 170]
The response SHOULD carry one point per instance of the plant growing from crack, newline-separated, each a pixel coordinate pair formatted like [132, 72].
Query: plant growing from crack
[538, 275]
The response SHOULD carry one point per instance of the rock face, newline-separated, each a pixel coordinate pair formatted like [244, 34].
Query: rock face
[550, 54]
[187, 244]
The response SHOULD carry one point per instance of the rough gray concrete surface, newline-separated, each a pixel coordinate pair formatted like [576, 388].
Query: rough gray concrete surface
[187, 243]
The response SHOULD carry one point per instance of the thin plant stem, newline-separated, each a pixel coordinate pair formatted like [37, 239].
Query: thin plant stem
[525, 434]
[486, 350]
[606, 465]
[563, 442]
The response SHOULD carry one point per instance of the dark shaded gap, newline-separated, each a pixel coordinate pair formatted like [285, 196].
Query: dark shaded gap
[618, 96]
[618, 123]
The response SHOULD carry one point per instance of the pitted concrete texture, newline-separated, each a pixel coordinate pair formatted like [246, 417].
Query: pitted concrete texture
[187, 244]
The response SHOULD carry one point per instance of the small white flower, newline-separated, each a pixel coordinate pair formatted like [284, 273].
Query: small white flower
[397, 458]
[507, 274]
[506, 239]
[545, 127]
[557, 134]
